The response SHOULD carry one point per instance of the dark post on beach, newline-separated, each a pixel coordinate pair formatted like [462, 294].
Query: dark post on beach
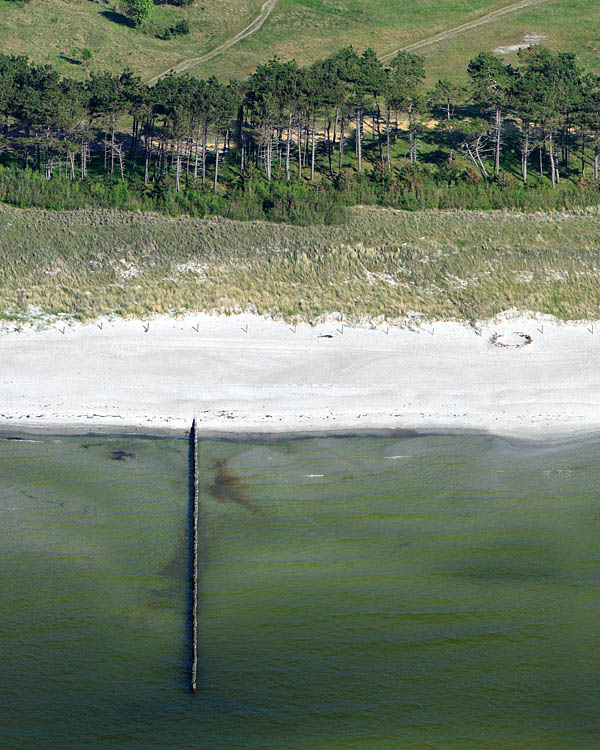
[194, 478]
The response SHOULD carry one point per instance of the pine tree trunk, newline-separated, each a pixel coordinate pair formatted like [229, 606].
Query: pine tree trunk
[379, 134]
[411, 146]
[552, 164]
[146, 161]
[268, 149]
[216, 161]
[288, 145]
[196, 155]
[524, 153]
[112, 150]
[472, 157]
[359, 139]
[204, 138]
[497, 146]
[299, 148]
[133, 137]
[387, 138]
[482, 168]
[335, 126]
[341, 146]
[178, 168]
[312, 150]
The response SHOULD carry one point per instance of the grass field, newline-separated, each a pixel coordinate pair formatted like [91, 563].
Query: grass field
[53, 32]
[466, 265]
[309, 29]
[564, 25]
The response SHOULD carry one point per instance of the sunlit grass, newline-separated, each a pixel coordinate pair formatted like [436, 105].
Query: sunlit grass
[468, 265]
[55, 33]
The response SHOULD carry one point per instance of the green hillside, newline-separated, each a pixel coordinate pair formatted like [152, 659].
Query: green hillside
[310, 29]
[56, 32]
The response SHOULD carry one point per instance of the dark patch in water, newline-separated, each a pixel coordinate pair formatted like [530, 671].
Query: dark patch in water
[121, 455]
[177, 565]
[165, 598]
[506, 570]
[227, 487]
[531, 561]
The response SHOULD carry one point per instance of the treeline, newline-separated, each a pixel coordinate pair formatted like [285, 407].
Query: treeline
[346, 124]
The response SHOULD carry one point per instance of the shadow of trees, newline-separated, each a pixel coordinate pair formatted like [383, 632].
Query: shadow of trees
[119, 18]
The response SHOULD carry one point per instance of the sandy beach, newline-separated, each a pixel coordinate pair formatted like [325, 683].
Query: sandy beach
[246, 374]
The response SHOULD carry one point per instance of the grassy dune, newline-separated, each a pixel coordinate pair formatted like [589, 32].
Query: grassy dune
[380, 262]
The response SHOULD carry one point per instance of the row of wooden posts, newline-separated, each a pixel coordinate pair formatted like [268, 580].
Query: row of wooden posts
[195, 500]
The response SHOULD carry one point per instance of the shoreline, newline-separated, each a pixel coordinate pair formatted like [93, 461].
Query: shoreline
[551, 441]
[244, 377]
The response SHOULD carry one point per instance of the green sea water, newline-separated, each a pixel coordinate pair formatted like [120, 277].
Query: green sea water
[416, 592]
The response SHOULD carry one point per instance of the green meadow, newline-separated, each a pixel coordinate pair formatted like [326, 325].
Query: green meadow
[307, 30]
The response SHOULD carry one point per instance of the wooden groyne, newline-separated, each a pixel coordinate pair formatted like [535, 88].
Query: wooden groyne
[194, 489]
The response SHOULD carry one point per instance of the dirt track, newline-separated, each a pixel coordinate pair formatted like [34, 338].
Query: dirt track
[253, 27]
[442, 36]
[268, 6]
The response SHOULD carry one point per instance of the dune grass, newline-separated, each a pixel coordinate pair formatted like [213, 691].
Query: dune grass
[465, 265]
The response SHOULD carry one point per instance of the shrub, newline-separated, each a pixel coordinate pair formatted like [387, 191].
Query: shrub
[181, 28]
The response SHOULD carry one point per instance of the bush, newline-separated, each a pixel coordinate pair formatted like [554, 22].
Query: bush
[140, 11]
[181, 28]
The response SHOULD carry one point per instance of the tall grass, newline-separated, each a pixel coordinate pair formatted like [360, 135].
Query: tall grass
[379, 262]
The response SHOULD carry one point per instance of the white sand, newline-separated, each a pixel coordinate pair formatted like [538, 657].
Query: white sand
[271, 379]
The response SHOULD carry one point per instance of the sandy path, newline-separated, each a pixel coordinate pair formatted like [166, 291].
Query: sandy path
[267, 378]
[450, 33]
[252, 28]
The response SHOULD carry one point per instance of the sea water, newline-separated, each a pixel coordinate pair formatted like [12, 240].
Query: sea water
[414, 592]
